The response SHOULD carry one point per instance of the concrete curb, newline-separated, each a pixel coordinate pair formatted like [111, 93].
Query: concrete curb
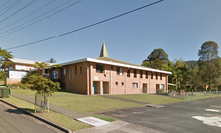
[39, 118]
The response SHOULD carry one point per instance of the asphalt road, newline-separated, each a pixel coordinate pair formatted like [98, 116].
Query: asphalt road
[14, 121]
[201, 116]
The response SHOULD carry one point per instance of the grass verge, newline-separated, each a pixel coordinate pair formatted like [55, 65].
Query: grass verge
[149, 98]
[57, 118]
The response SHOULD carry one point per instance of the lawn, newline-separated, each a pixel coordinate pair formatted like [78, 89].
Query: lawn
[60, 119]
[87, 104]
[29, 92]
[149, 98]
[81, 103]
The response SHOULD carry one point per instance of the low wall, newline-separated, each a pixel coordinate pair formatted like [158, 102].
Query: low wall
[12, 81]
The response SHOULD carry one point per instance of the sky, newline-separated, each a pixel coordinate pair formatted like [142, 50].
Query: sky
[179, 27]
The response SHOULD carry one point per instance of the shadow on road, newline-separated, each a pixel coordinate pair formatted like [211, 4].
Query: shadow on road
[19, 111]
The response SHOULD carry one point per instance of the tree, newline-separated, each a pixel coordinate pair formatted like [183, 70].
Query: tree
[42, 85]
[195, 77]
[41, 66]
[51, 60]
[208, 57]
[4, 54]
[156, 59]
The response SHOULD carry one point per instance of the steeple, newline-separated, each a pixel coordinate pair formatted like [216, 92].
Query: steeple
[103, 51]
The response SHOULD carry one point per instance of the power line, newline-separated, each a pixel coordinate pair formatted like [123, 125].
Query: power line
[32, 42]
[5, 4]
[40, 19]
[110, 18]
[28, 15]
[12, 5]
[18, 10]
[32, 20]
[88, 25]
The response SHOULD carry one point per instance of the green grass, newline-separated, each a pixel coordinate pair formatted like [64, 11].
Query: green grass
[87, 104]
[149, 98]
[60, 119]
[29, 92]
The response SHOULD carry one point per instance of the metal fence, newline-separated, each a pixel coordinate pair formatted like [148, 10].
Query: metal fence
[194, 95]
[41, 103]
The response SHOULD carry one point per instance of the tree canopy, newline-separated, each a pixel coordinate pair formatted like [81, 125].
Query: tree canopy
[4, 54]
[209, 62]
[156, 59]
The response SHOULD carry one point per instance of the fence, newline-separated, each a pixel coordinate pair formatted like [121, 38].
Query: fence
[194, 95]
[41, 103]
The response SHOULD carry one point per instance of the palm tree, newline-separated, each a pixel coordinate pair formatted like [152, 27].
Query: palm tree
[51, 60]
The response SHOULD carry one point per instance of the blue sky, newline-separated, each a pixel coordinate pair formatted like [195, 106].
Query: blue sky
[179, 27]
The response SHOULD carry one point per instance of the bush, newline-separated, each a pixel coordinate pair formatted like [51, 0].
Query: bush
[161, 92]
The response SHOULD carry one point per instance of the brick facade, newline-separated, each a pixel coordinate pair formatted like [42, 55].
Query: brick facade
[111, 82]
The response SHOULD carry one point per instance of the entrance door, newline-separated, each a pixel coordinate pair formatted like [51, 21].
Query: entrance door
[144, 88]
[157, 88]
[95, 87]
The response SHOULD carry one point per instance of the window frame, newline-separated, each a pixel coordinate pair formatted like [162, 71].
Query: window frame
[134, 85]
[101, 69]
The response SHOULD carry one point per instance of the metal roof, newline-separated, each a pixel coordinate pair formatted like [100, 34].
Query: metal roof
[110, 61]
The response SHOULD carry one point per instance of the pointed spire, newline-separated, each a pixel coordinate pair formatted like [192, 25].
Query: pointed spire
[103, 51]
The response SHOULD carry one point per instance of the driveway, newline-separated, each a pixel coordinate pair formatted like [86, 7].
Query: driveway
[184, 117]
[14, 121]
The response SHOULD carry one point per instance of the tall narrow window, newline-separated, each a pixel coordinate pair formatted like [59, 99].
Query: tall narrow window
[119, 71]
[80, 69]
[147, 74]
[156, 76]
[162, 86]
[63, 71]
[69, 74]
[72, 74]
[128, 73]
[99, 68]
[151, 75]
[161, 76]
[135, 73]
[76, 69]
[141, 74]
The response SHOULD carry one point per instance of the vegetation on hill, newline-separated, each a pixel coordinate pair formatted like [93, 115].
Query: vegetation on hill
[191, 64]
[198, 74]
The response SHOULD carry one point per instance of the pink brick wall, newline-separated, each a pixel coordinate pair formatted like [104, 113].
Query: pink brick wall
[116, 84]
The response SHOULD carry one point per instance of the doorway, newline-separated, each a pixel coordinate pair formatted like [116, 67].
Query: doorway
[144, 88]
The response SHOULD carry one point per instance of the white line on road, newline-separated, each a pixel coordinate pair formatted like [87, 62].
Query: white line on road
[212, 110]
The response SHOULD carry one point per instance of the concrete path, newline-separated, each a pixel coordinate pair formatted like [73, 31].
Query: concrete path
[58, 109]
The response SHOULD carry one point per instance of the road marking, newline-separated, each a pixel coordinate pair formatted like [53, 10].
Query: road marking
[93, 121]
[212, 110]
[211, 121]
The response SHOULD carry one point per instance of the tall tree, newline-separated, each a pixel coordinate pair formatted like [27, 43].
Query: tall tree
[208, 58]
[51, 60]
[156, 59]
[4, 54]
